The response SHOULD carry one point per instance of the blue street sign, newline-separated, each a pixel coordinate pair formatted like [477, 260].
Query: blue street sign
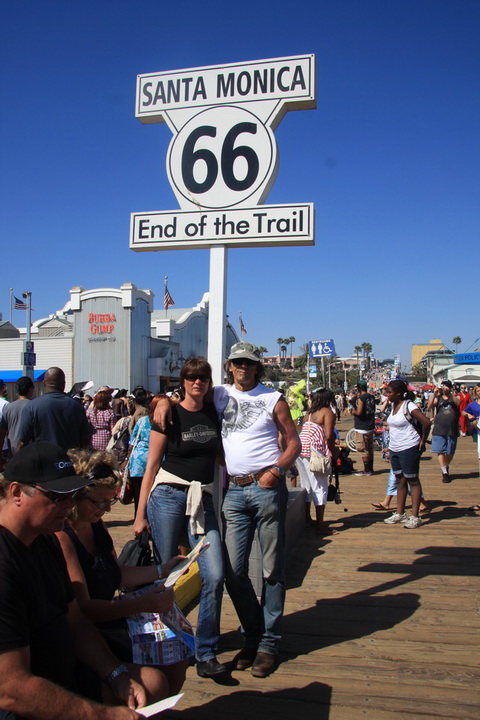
[322, 348]
[467, 358]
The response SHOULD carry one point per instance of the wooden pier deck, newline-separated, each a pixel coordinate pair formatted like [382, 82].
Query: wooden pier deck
[380, 622]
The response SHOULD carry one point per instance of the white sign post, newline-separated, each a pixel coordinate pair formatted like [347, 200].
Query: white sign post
[221, 163]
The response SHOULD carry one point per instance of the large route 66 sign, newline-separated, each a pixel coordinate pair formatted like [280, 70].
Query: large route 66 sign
[223, 155]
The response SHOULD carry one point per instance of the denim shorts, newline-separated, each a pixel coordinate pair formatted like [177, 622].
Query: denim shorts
[406, 462]
[445, 444]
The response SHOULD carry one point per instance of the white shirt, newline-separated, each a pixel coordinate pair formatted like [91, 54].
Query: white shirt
[402, 433]
[249, 432]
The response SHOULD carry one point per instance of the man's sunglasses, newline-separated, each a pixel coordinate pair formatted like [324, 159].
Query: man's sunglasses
[56, 497]
[243, 361]
[202, 378]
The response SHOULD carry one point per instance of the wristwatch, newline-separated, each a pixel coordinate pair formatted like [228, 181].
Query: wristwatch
[119, 670]
[280, 470]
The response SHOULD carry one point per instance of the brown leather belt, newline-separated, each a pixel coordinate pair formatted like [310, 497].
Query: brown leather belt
[242, 480]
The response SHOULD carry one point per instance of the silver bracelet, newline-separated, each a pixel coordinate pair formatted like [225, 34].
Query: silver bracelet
[119, 670]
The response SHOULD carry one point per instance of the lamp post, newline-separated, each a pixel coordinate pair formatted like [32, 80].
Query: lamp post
[344, 370]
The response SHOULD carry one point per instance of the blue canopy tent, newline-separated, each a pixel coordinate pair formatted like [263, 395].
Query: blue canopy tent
[11, 376]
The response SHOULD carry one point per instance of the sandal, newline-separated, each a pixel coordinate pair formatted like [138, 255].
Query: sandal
[379, 506]
[474, 508]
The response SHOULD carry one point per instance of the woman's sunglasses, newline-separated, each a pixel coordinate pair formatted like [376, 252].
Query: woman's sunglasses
[202, 378]
[103, 504]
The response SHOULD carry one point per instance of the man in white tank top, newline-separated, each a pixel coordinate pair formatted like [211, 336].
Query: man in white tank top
[254, 419]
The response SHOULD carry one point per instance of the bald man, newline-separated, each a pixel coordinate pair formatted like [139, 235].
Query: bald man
[54, 416]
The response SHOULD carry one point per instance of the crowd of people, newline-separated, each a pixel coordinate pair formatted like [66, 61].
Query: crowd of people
[65, 649]
[61, 475]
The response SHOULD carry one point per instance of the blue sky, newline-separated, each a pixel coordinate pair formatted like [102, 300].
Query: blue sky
[390, 157]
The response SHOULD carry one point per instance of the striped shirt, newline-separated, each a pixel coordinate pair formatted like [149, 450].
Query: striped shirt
[313, 435]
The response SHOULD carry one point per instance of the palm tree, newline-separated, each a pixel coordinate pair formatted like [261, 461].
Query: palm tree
[456, 341]
[367, 349]
[357, 349]
[262, 350]
[291, 340]
[279, 343]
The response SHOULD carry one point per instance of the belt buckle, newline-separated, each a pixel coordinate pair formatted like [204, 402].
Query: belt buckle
[243, 480]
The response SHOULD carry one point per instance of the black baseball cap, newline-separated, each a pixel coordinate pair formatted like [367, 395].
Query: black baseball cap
[45, 464]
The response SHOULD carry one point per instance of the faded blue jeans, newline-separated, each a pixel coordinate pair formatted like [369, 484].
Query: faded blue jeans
[167, 520]
[245, 509]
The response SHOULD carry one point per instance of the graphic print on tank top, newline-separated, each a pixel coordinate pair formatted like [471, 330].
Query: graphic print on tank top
[241, 415]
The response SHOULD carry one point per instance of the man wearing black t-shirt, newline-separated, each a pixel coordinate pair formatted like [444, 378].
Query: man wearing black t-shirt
[48, 649]
[364, 414]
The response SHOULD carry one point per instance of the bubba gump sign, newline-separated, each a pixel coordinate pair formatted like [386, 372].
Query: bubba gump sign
[101, 324]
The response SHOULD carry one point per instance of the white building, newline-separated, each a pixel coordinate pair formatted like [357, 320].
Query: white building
[112, 336]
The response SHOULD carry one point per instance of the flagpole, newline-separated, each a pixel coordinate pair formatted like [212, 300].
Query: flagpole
[27, 369]
[11, 301]
[164, 294]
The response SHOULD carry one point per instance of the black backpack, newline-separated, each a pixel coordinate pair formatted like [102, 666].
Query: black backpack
[413, 421]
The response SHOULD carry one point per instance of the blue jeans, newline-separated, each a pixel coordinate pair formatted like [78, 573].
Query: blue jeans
[167, 519]
[245, 509]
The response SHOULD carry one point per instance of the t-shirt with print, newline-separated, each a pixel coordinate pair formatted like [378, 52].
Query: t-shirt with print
[446, 419]
[193, 441]
[249, 432]
[366, 421]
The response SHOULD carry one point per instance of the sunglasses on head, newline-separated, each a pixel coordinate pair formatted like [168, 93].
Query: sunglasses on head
[202, 378]
[56, 497]
[100, 471]
[243, 361]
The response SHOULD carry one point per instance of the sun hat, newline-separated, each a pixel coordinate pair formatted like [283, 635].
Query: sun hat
[244, 350]
[46, 464]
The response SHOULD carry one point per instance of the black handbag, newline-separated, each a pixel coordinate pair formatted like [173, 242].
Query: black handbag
[137, 552]
[331, 492]
[472, 426]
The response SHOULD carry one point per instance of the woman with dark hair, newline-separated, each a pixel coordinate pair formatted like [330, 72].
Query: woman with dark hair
[176, 499]
[102, 420]
[140, 400]
[405, 445]
[317, 433]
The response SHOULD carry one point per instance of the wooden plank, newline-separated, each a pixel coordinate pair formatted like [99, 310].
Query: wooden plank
[380, 622]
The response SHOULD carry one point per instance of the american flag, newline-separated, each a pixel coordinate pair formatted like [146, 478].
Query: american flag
[242, 326]
[167, 299]
[20, 304]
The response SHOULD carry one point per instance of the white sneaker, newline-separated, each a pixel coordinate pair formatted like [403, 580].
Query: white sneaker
[395, 518]
[412, 522]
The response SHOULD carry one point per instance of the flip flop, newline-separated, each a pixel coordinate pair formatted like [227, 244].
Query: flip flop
[379, 506]
[474, 507]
